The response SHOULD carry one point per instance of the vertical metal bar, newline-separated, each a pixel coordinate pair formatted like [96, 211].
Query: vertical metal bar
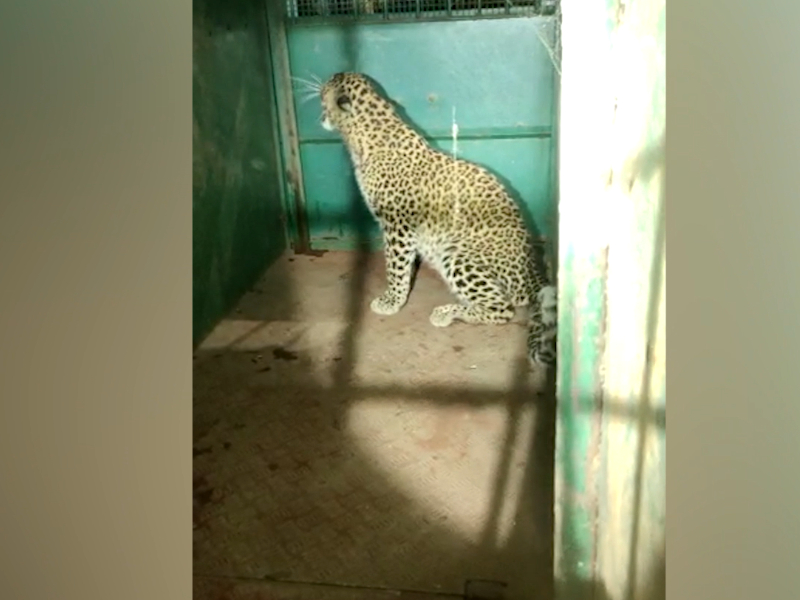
[554, 146]
[581, 307]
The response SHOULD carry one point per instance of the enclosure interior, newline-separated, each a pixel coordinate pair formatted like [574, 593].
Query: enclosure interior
[332, 445]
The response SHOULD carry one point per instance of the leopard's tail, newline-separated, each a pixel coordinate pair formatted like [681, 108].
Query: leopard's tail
[543, 326]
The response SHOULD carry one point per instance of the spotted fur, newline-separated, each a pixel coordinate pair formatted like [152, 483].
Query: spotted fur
[454, 214]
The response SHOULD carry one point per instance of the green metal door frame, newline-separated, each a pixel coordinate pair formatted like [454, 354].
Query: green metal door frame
[611, 425]
[293, 189]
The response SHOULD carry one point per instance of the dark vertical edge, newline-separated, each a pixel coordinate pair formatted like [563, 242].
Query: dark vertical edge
[295, 201]
[288, 217]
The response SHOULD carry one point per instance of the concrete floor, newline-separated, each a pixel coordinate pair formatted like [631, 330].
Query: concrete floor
[336, 446]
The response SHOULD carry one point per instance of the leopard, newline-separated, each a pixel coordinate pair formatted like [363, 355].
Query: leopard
[453, 214]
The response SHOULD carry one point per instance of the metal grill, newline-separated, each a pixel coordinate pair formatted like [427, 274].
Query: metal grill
[367, 10]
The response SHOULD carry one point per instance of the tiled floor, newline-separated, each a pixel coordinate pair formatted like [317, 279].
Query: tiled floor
[336, 446]
[211, 588]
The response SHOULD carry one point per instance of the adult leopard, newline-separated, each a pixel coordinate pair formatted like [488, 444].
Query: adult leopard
[453, 213]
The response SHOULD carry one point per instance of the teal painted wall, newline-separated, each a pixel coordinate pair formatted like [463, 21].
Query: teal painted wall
[495, 73]
[238, 219]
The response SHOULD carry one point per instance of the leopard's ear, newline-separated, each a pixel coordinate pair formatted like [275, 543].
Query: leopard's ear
[343, 102]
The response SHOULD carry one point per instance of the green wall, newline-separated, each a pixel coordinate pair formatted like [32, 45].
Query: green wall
[237, 188]
[494, 77]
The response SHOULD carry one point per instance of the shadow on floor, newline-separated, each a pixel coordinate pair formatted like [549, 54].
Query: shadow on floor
[283, 490]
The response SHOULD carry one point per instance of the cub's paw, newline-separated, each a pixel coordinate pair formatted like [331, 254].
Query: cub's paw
[385, 304]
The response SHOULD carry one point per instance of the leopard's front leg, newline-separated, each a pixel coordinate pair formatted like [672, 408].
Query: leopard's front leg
[400, 253]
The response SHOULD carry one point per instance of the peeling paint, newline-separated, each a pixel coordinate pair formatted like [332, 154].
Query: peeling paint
[610, 497]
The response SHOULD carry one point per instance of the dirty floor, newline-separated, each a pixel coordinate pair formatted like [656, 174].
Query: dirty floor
[335, 446]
